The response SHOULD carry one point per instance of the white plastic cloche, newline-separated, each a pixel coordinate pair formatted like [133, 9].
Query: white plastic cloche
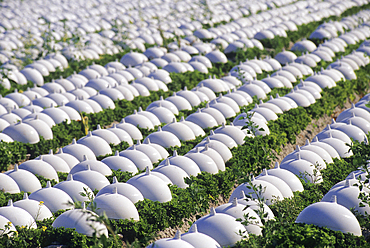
[25, 180]
[96, 143]
[82, 220]
[116, 206]
[221, 227]
[331, 215]
[93, 179]
[185, 163]
[270, 194]
[131, 129]
[22, 132]
[238, 211]
[164, 138]
[36, 209]
[5, 227]
[40, 167]
[17, 216]
[74, 189]
[151, 186]
[118, 162]
[288, 177]
[175, 173]
[55, 199]
[171, 242]
[79, 150]
[139, 158]
[204, 162]
[56, 162]
[199, 240]
[181, 130]
[8, 185]
[124, 189]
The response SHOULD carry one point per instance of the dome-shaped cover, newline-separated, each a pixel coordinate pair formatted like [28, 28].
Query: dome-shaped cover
[17, 216]
[6, 227]
[151, 186]
[116, 206]
[8, 185]
[280, 184]
[171, 242]
[124, 189]
[22, 132]
[74, 189]
[133, 59]
[118, 162]
[270, 192]
[199, 240]
[174, 173]
[285, 57]
[238, 211]
[26, 181]
[288, 177]
[330, 215]
[83, 221]
[68, 158]
[185, 163]
[348, 196]
[221, 227]
[55, 199]
[181, 130]
[79, 150]
[37, 209]
[56, 162]
[96, 143]
[164, 138]
[233, 132]
[41, 168]
[93, 179]
[202, 119]
[139, 158]
[41, 127]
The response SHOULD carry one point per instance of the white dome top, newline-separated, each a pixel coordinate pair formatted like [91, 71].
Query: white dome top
[163, 138]
[171, 242]
[118, 162]
[238, 211]
[330, 215]
[41, 168]
[94, 165]
[74, 189]
[199, 240]
[204, 162]
[56, 162]
[174, 173]
[221, 227]
[270, 194]
[116, 206]
[36, 209]
[8, 185]
[17, 216]
[233, 132]
[82, 220]
[93, 179]
[181, 130]
[97, 144]
[79, 150]
[124, 189]
[151, 187]
[26, 181]
[149, 150]
[22, 132]
[55, 199]
[139, 158]
[185, 163]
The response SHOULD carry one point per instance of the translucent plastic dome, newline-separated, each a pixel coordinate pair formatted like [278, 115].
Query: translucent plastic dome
[124, 189]
[151, 187]
[93, 179]
[55, 199]
[221, 227]
[83, 221]
[74, 189]
[35, 208]
[8, 185]
[171, 242]
[79, 150]
[199, 240]
[17, 216]
[330, 215]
